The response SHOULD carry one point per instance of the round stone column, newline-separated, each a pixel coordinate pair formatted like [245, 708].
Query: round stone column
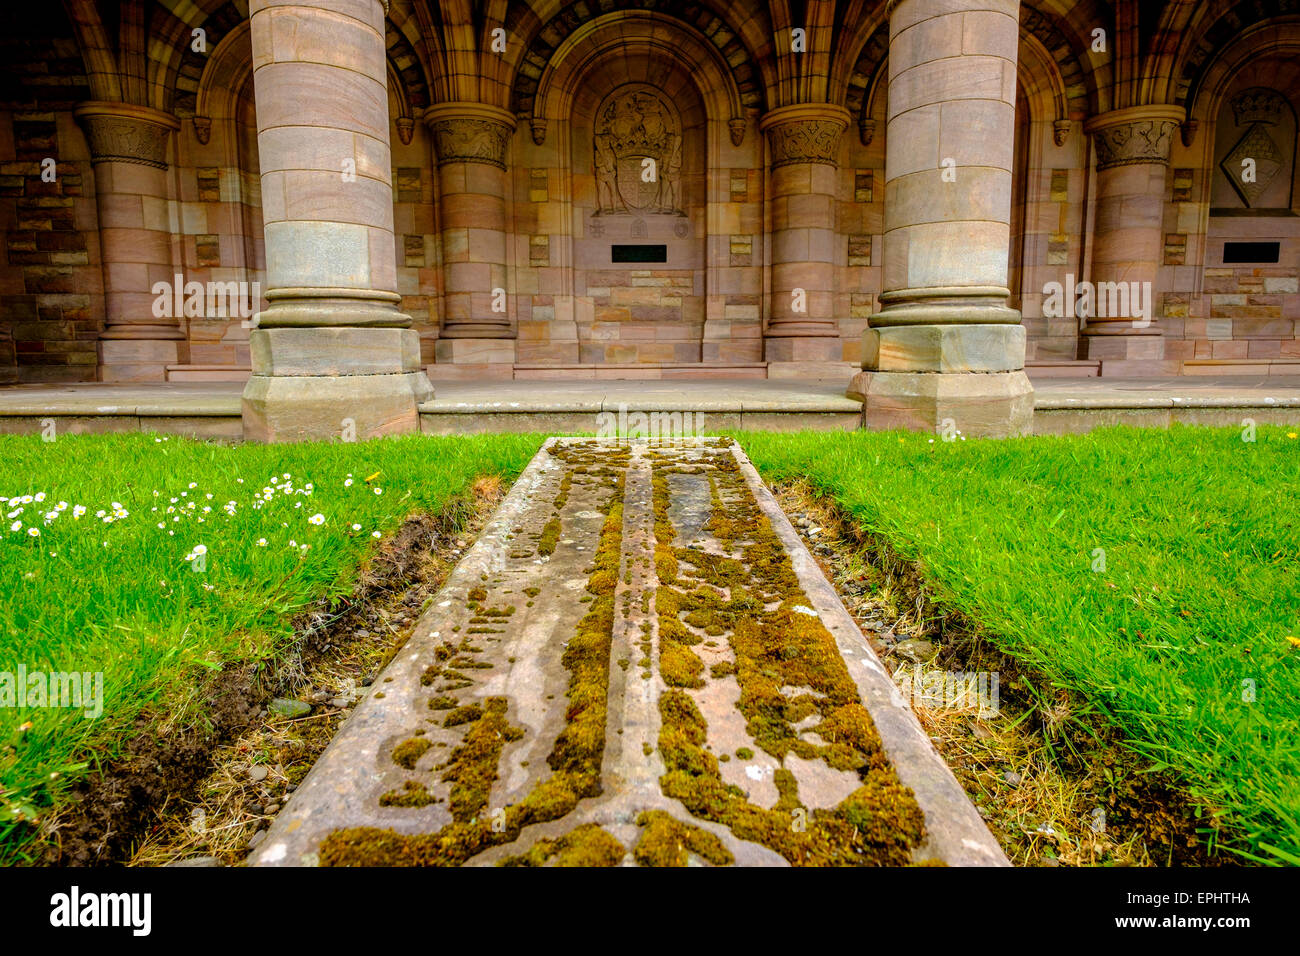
[944, 350]
[332, 354]
[1128, 236]
[470, 142]
[802, 335]
[128, 148]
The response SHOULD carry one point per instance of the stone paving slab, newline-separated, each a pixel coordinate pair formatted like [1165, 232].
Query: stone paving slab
[212, 409]
[638, 658]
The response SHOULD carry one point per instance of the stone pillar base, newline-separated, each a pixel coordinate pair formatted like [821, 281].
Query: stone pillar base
[343, 383]
[944, 348]
[472, 359]
[1127, 351]
[140, 360]
[989, 404]
[802, 351]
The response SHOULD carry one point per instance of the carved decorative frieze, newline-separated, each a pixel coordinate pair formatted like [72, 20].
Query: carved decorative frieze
[804, 133]
[121, 133]
[1135, 135]
[469, 133]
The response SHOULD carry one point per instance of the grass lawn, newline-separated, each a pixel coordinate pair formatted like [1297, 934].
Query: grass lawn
[140, 558]
[1186, 637]
[1188, 640]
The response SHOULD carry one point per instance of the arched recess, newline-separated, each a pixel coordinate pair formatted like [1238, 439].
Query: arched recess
[689, 97]
[729, 46]
[678, 44]
[219, 148]
[1264, 55]
[1049, 184]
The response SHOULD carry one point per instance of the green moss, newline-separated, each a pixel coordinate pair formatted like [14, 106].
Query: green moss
[723, 669]
[575, 758]
[463, 715]
[550, 536]
[409, 752]
[666, 841]
[586, 846]
[773, 647]
[679, 665]
[477, 594]
[413, 794]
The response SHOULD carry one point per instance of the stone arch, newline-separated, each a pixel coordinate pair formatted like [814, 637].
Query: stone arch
[405, 68]
[1077, 85]
[1206, 98]
[1203, 49]
[866, 81]
[691, 18]
[575, 57]
[221, 81]
[192, 66]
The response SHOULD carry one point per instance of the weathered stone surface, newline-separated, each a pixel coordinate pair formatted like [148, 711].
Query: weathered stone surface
[991, 404]
[944, 348]
[543, 690]
[334, 351]
[350, 408]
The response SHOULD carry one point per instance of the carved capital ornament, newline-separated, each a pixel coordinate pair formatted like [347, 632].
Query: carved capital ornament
[1138, 134]
[805, 133]
[470, 133]
[122, 133]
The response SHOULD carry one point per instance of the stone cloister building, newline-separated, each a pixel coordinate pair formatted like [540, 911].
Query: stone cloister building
[922, 199]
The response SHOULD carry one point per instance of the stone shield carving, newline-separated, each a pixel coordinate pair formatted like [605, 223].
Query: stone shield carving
[1255, 109]
[637, 153]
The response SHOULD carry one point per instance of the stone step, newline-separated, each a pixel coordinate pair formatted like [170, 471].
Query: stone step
[638, 661]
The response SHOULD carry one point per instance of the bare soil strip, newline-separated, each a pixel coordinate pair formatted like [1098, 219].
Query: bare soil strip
[638, 662]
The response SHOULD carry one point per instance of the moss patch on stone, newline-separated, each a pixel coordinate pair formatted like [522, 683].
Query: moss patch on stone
[586, 846]
[575, 758]
[550, 536]
[755, 599]
[666, 841]
[413, 794]
[408, 753]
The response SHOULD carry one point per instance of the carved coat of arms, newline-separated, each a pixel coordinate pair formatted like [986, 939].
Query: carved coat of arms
[637, 153]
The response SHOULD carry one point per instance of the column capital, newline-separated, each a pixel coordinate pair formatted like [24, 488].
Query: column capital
[123, 133]
[804, 132]
[470, 132]
[1135, 134]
